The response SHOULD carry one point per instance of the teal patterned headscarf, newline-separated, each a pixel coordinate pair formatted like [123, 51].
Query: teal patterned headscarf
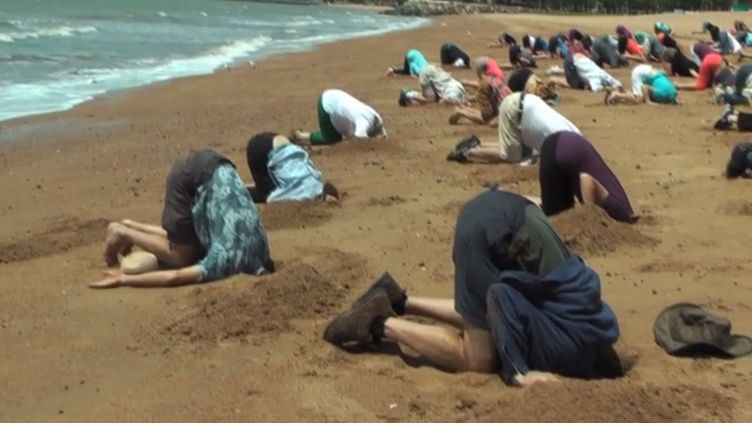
[662, 27]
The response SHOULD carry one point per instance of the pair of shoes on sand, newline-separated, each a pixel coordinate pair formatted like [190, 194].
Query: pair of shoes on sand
[724, 121]
[461, 150]
[354, 325]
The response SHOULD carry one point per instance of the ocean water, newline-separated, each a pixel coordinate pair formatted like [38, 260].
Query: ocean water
[55, 54]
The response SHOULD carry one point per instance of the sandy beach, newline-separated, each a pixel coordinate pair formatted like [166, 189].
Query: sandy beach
[249, 349]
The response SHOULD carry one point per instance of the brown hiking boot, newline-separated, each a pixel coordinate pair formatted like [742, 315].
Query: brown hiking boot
[355, 324]
[385, 283]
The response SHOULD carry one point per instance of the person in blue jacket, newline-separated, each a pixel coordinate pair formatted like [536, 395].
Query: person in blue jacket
[527, 308]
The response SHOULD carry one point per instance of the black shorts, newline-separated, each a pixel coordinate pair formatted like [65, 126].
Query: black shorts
[557, 190]
[257, 156]
[183, 182]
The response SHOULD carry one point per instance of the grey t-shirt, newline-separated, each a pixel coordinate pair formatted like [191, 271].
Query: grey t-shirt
[539, 121]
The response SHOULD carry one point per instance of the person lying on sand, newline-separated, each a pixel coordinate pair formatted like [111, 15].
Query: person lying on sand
[732, 119]
[210, 230]
[521, 57]
[525, 120]
[714, 70]
[489, 97]
[558, 46]
[342, 116]
[570, 167]
[602, 52]
[452, 55]
[491, 91]
[526, 307]
[283, 171]
[649, 86]
[436, 86]
[726, 43]
[413, 64]
[652, 49]
[678, 64]
[628, 46]
[525, 80]
[581, 73]
[537, 45]
[504, 40]
[740, 92]
[740, 163]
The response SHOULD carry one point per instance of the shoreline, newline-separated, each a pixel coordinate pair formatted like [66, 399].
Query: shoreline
[248, 61]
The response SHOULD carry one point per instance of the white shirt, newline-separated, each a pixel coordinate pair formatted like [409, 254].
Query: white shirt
[539, 121]
[596, 77]
[350, 116]
[638, 74]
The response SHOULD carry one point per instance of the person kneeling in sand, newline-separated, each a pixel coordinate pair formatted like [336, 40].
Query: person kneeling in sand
[412, 65]
[649, 86]
[525, 120]
[436, 86]
[342, 116]
[581, 73]
[210, 230]
[283, 171]
[452, 55]
[491, 91]
[526, 307]
[570, 167]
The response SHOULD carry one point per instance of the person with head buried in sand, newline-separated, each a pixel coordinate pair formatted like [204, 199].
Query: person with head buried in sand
[523, 305]
[210, 230]
[525, 121]
[283, 171]
[571, 168]
[342, 116]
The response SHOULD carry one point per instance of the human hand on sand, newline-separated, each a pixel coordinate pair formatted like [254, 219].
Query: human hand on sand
[112, 280]
[535, 378]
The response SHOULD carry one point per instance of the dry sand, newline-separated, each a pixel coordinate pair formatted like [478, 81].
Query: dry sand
[249, 349]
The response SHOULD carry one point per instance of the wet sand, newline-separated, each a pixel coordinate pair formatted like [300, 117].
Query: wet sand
[249, 349]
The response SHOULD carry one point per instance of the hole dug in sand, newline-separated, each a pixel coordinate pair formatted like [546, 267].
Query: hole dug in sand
[590, 231]
[313, 286]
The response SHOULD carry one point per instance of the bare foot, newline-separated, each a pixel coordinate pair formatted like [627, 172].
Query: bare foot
[331, 193]
[114, 244]
[454, 118]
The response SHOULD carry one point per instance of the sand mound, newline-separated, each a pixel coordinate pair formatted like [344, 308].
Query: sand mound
[614, 401]
[292, 215]
[57, 238]
[311, 287]
[590, 231]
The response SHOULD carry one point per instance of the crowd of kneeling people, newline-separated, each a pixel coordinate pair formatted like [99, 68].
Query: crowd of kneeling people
[527, 306]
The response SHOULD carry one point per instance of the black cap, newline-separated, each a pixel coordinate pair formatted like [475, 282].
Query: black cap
[685, 329]
[740, 163]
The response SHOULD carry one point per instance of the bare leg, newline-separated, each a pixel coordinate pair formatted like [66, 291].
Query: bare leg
[438, 309]
[302, 136]
[592, 191]
[468, 83]
[145, 227]
[487, 152]
[468, 113]
[120, 237]
[559, 81]
[474, 351]
[614, 97]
